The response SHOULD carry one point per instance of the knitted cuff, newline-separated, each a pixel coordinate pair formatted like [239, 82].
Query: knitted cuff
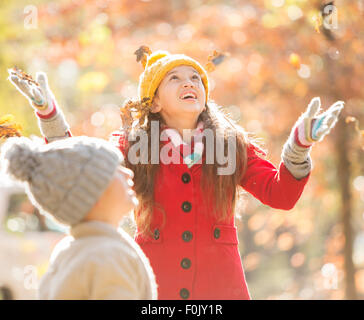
[48, 112]
[296, 159]
[55, 127]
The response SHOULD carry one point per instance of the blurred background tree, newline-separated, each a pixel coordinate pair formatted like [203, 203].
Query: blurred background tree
[281, 53]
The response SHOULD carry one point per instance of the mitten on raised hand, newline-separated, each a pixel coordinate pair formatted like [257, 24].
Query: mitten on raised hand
[50, 118]
[37, 92]
[312, 127]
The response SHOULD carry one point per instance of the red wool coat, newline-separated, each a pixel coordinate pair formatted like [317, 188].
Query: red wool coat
[193, 256]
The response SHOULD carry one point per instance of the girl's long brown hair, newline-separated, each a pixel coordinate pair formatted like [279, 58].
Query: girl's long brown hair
[222, 187]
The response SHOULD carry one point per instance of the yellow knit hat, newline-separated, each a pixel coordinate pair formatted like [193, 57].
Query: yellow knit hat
[157, 65]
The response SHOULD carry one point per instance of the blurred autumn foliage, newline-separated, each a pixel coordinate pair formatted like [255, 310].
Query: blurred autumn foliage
[280, 54]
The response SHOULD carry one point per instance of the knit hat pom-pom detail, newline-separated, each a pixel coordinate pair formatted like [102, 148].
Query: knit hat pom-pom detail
[18, 158]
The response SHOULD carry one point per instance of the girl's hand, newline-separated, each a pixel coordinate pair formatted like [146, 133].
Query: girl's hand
[37, 92]
[312, 127]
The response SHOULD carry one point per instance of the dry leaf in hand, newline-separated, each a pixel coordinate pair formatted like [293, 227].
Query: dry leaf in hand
[134, 112]
[22, 75]
[215, 59]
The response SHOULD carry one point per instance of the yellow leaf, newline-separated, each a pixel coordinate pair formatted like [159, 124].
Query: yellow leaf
[6, 118]
[7, 129]
[214, 59]
[318, 22]
[210, 67]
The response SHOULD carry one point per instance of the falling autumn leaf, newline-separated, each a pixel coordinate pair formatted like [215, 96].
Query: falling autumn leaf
[215, 59]
[142, 54]
[318, 22]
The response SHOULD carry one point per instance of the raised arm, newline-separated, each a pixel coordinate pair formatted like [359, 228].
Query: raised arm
[277, 188]
[311, 127]
[281, 188]
[51, 121]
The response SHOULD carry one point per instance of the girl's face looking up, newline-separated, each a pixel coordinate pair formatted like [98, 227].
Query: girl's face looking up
[180, 96]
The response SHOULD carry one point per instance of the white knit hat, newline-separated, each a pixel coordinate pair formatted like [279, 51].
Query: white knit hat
[64, 178]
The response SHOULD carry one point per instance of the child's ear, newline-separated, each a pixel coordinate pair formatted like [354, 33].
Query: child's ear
[156, 106]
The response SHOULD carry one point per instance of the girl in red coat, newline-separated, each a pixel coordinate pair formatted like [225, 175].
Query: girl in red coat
[186, 192]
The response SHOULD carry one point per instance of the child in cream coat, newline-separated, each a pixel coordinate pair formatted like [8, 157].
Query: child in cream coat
[80, 183]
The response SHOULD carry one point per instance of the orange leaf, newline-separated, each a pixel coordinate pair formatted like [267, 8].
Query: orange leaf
[9, 129]
[214, 59]
[142, 54]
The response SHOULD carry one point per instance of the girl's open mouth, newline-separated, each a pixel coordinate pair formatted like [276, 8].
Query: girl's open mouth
[189, 96]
